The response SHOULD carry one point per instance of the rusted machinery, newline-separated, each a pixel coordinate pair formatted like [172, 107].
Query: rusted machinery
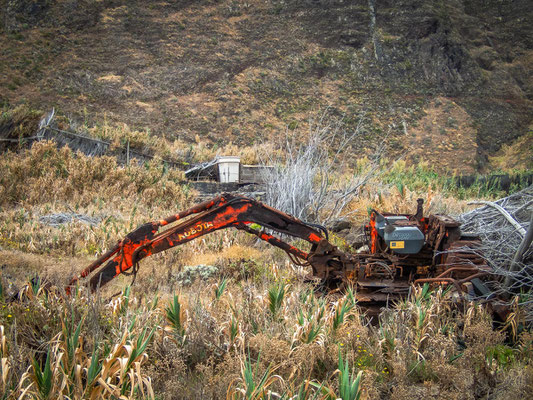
[402, 249]
[407, 249]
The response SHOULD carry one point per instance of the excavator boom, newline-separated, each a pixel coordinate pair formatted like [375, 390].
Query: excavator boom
[224, 211]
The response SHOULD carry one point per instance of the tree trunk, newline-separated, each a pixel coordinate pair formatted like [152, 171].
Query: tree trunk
[378, 51]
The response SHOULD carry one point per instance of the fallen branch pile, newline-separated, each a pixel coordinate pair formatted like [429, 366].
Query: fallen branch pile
[504, 227]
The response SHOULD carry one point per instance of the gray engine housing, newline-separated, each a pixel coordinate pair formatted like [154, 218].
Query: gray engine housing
[400, 239]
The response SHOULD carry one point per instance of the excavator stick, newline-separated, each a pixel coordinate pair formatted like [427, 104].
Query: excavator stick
[134, 239]
[224, 211]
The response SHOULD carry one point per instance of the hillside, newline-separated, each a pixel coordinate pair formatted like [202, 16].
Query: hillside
[443, 81]
[314, 88]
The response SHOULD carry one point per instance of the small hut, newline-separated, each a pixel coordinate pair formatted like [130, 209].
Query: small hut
[227, 169]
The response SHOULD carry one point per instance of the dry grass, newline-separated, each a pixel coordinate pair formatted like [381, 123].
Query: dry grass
[18, 123]
[445, 135]
[45, 174]
[228, 254]
[516, 155]
[178, 149]
[70, 348]
[423, 346]
[264, 321]
[397, 185]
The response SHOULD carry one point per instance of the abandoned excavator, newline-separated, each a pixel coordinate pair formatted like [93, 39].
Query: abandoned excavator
[403, 249]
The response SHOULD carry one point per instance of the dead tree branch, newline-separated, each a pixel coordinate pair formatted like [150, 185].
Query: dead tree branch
[506, 242]
[517, 259]
[504, 213]
[309, 178]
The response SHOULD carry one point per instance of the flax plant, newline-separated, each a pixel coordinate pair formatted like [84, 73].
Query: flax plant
[120, 373]
[305, 392]
[276, 294]
[343, 309]
[310, 326]
[253, 385]
[423, 310]
[45, 380]
[233, 330]
[70, 343]
[220, 287]
[176, 317]
[311, 332]
[69, 371]
[349, 386]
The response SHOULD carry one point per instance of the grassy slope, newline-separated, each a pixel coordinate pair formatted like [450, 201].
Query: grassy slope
[231, 71]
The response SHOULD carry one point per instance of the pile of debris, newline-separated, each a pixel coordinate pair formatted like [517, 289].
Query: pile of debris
[505, 227]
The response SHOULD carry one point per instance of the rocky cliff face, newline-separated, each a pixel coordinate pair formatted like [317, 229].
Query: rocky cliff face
[449, 81]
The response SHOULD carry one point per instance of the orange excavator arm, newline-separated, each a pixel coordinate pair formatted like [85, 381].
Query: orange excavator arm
[224, 211]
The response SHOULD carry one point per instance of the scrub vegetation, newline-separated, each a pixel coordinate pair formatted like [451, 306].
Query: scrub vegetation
[222, 316]
[263, 336]
[431, 90]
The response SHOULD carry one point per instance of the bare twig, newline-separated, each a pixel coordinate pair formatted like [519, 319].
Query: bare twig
[518, 257]
[524, 207]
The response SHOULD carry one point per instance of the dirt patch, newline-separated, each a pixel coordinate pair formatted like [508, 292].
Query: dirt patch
[110, 78]
[445, 136]
[17, 268]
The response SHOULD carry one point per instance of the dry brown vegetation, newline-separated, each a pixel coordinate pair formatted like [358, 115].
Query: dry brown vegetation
[225, 316]
[201, 342]
[243, 71]
[219, 332]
